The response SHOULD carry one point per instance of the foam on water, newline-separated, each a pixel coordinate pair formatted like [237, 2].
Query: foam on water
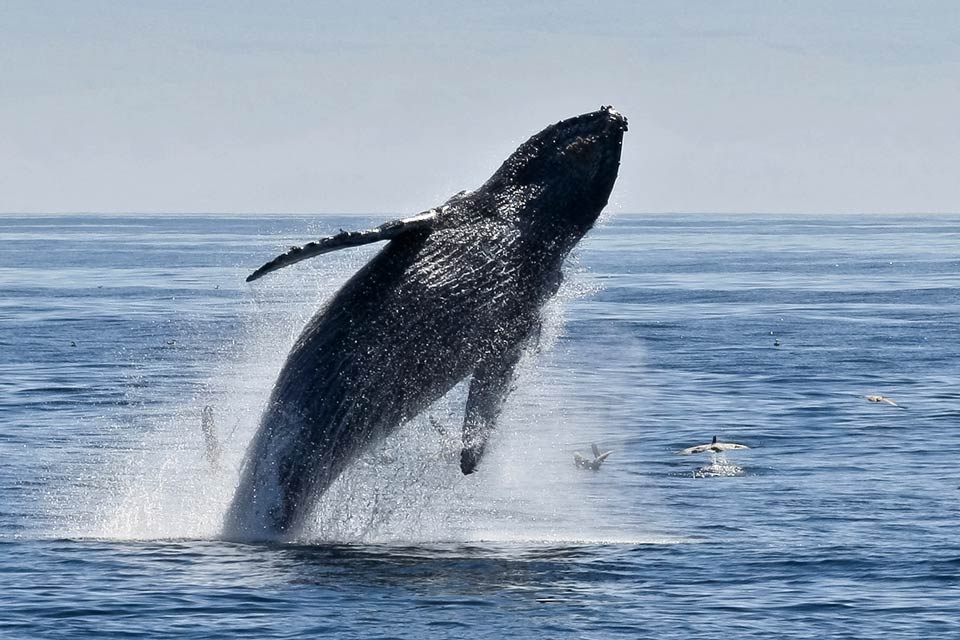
[161, 486]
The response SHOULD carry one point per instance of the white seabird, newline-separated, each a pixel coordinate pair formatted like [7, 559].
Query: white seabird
[884, 399]
[594, 465]
[713, 447]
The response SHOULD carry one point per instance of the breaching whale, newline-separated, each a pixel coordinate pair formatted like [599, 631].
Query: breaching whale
[457, 292]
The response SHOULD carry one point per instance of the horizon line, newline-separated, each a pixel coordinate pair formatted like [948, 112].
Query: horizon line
[407, 213]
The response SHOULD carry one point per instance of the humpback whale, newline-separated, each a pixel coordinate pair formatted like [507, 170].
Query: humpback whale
[456, 292]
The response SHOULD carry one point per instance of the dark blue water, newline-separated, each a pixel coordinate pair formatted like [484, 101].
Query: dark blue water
[840, 521]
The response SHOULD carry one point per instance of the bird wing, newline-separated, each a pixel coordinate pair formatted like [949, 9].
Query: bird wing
[727, 446]
[700, 448]
[603, 456]
[595, 449]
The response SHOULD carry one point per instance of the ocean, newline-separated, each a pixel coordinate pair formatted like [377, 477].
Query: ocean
[839, 521]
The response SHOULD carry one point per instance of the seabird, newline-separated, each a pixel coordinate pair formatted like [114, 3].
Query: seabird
[713, 447]
[883, 399]
[593, 465]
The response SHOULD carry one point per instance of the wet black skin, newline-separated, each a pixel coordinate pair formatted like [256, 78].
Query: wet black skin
[435, 306]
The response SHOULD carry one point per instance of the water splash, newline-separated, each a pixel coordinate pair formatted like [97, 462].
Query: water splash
[407, 489]
[719, 467]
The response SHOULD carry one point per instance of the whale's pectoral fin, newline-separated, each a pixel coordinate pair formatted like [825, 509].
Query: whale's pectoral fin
[386, 231]
[489, 388]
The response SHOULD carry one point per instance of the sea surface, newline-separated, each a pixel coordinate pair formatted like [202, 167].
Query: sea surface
[842, 519]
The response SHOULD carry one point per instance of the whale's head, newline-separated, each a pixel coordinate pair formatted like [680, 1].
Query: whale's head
[561, 178]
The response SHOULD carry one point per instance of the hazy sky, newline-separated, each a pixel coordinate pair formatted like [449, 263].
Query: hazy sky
[734, 106]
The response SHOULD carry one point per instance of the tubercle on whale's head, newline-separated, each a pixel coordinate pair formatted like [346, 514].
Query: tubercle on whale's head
[562, 177]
